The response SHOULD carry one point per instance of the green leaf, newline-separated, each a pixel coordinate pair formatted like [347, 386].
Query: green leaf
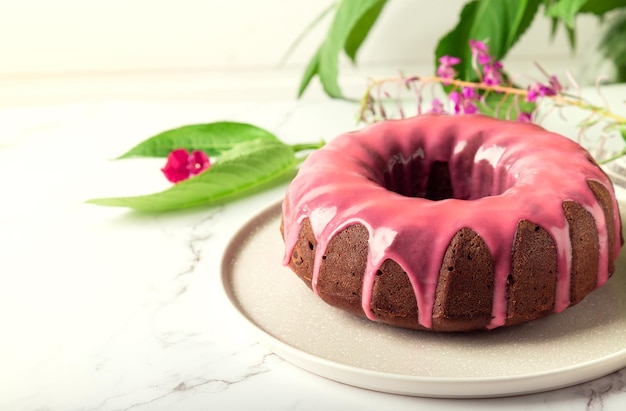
[613, 45]
[310, 72]
[571, 37]
[361, 29]
[328, 71]
[600, 8]
[622, 132]
[248, 167]
[212, 138]
[554, 25]
[566, 11]
[500, 22]
[349, 28]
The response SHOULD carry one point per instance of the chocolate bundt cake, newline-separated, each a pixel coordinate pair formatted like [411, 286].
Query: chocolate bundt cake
[451, 223]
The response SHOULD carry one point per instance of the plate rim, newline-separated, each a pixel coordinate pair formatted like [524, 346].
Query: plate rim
[403, 384]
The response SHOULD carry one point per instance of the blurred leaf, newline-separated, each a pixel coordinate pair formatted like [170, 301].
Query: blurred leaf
[601, 7]
[622, 132]
[310, 72]
[361, 29]
[212, 138]
[349, 28]
[612, 45]
[500, 23]
[566, 11]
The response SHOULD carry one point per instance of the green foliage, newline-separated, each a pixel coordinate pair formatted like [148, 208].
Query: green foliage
[212, 138]
[349, 28]
[501, 22]
[566, 11]
[613, 45]
[251, 159]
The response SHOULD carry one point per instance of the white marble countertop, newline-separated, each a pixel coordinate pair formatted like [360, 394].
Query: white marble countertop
[107, 309]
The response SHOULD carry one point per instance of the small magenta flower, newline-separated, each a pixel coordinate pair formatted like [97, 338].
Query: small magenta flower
[465, 101]
[555, 85]
[540, 90]
[446, 69]
[480, 51]
[492, 73]
[524, 117]
[181, 164]
[436, 107]
[532, 93]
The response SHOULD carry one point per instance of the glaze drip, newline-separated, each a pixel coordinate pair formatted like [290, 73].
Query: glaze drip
[500, 174]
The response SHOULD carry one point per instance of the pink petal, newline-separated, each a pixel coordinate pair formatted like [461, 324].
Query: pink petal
[437, 107]
[470, 108]
[198, 162]
[449, 60]
[468, 93]
[524, 117]
[477, 46]
[175, 169]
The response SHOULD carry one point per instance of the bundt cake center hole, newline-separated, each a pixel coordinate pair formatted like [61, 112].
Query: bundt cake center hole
[409, 181]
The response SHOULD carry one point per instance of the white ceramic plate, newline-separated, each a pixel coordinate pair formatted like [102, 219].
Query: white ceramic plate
[584, 342]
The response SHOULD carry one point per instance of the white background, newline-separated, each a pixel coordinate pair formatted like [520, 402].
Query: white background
[66, 50]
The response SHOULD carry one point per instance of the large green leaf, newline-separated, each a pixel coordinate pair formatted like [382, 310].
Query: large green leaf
[349, 28]
[212, 138]
[499, 22]
[248, 167]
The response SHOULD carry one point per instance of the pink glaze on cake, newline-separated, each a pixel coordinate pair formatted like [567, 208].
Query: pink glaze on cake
[501, 173]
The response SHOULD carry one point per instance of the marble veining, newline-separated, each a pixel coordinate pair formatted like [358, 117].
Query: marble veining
[104, 309]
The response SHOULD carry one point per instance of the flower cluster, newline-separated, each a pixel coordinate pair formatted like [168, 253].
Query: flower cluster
[446, 68]
[465, 101]
[490, 73]
[553, 88]
[181, 164]
[489, 69]
[493, 92]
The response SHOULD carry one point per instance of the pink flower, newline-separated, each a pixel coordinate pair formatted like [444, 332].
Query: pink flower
[445, 69]
[541, 90]
[181, 165]
[480, 51]
[436, 107]
[492, 73]
[555, 85]
[533, 93]
[465, 101]
[524, 117]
